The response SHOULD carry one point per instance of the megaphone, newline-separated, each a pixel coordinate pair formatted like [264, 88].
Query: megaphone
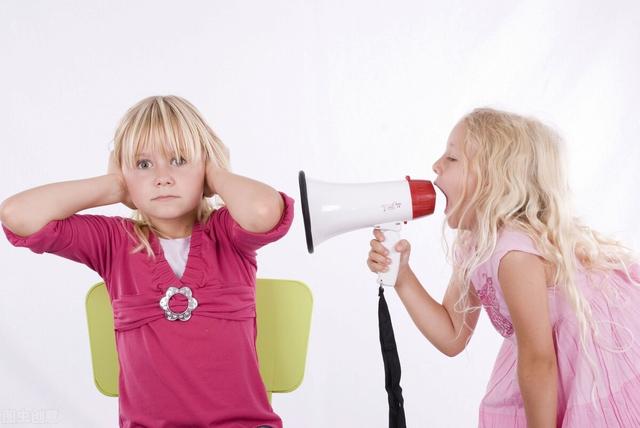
[330, 209]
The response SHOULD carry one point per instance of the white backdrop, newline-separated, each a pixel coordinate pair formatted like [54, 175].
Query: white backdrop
[348, 91]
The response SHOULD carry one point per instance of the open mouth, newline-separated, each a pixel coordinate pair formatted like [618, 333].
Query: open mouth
[445, 197]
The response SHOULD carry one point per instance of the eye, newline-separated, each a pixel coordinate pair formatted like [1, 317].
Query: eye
[178, 162]
[449, 158]
[143, 164]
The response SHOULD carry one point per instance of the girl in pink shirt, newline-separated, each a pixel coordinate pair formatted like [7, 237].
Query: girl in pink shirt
[565, 298]
[180, 275]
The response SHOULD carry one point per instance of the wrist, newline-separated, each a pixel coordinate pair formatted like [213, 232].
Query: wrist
[404, 274]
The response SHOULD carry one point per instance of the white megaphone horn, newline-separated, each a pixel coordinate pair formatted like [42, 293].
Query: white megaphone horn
[330, 209]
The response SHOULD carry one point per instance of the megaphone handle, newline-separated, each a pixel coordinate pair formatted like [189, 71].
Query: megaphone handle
[391, 232]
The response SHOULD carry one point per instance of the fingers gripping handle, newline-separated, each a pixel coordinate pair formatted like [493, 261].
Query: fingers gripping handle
[391, 232]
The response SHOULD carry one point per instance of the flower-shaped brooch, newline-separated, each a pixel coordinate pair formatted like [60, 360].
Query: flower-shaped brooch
[182, 316]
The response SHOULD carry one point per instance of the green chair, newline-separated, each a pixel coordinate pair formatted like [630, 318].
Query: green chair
[284, 317]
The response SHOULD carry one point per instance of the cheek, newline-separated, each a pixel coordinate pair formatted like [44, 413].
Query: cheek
[195, 180]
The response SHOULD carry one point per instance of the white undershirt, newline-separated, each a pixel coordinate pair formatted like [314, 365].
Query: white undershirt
[176, 252]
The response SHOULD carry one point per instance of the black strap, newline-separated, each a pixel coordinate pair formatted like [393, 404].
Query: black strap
[391, 365]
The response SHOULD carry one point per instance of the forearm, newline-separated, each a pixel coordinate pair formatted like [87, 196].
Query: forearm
[431, 318]
[27, 212]
[538, 386]
[255, 206]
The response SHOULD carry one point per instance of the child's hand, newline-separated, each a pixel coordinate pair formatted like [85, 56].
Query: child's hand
[212, 172]
[208, 189]
[378, 256]
[113, 169]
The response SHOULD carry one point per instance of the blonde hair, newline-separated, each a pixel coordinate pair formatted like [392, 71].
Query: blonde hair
[174, 127]
[521, 182]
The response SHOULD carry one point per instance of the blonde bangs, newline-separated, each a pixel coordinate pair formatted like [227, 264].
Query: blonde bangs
[168, 125]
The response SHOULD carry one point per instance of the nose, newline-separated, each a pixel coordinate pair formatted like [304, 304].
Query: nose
[436, 167]
[163, 181]
[163, 178]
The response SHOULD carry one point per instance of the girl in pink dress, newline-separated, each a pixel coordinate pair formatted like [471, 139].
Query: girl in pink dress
[180, 275]
[565, 298]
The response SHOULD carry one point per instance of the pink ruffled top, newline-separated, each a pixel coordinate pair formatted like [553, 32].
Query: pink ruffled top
[202, 372]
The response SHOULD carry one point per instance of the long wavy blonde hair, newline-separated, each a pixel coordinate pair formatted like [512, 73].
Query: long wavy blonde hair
[521, 182]
[172, 126]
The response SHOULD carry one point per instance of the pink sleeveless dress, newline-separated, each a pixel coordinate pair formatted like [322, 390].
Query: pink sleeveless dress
[615, 349]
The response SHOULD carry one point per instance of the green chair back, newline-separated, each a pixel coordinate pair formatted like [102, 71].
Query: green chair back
[283, 310]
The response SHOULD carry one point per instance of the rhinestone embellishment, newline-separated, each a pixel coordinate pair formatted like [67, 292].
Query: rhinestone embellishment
[182, 316]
